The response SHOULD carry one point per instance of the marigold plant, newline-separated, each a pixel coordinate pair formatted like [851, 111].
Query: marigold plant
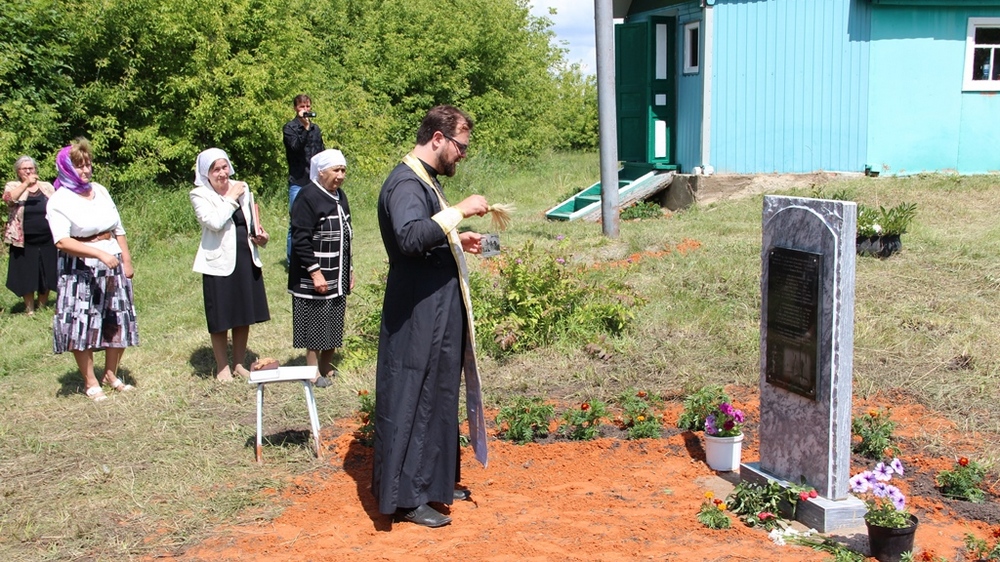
[638, 416]
[712, 513]
[526, 419]
[875, 430]
[583, 423]
[963, 481]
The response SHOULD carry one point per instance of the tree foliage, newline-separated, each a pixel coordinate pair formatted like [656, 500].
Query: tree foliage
[153, 82]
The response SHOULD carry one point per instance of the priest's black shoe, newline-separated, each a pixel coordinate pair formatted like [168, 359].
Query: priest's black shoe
[462, 494]
[426, 516]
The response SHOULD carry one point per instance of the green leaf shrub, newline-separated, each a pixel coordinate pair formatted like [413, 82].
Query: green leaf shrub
[875, 430]
[153, 82]
[638, 414]
[527, 299]
[366, 412]
[964, 481]
[525, 420]
[699, 404]
[642, 210]
[583, 423]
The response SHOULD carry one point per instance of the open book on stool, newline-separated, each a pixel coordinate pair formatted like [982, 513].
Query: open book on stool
[268, 370]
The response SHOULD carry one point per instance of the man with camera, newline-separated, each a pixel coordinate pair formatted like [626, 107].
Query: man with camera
[303, 140]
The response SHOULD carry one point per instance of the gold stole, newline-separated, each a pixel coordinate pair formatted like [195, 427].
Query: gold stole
[473, 389]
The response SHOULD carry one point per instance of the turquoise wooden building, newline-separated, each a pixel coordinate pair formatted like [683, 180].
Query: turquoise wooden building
[792, 86]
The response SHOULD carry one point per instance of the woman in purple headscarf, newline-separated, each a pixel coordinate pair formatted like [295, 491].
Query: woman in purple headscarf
[95, 308]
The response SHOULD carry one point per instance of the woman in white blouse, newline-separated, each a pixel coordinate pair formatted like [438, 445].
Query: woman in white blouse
[95, 308]
[227, 258]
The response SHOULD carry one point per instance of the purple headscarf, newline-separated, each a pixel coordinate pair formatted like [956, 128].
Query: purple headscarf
[66, 174]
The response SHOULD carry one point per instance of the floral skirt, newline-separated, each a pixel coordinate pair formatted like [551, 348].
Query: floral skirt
[95, 309]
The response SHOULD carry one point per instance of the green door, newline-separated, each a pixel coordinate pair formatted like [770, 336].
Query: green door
[645, 66]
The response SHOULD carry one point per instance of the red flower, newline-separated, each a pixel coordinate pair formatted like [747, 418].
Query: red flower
[964, 461]
[585, 406]
[642, 394]
[804, 496]
[765, 515]
[812, 493]
[362, 392]
[717, 501]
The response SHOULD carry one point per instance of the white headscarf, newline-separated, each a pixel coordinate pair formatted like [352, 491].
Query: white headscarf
[327, 159]
[204, 163]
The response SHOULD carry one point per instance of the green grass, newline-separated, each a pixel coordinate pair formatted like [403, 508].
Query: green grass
[152, 471]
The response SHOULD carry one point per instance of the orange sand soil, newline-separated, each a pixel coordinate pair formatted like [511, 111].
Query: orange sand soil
[607, 499]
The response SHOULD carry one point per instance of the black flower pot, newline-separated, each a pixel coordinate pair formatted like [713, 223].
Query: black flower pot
[869, 245]
[888, 544]
[890, 245]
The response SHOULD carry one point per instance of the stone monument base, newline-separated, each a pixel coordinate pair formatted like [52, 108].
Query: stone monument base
[824, 515]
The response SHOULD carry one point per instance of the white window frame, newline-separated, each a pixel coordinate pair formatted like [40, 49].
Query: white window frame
[968, 84]
[690, 49]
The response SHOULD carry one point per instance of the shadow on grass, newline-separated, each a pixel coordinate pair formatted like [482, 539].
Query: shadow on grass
[202, 360]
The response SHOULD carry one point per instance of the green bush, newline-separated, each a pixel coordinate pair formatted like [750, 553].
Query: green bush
[699, 404]
[366, 411]
[583, 423]
[526, 419]
[642, 210]
[875, 430]
[963, 481]
[528, 299]
[638, 415]
[153, 82]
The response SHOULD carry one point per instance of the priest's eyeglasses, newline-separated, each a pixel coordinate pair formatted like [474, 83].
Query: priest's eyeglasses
[462, 147]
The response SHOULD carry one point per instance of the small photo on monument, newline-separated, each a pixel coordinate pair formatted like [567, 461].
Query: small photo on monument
[491, 245]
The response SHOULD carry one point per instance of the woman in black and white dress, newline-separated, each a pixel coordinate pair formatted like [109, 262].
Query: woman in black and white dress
[320, 275]
[95, 309]
[232, 281]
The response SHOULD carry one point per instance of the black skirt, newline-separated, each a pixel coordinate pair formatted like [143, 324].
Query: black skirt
[237, 299]
[32, 269]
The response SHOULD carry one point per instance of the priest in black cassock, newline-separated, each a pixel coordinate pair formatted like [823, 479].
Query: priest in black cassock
[427, 337]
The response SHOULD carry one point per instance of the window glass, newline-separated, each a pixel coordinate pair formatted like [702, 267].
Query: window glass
[982, 55]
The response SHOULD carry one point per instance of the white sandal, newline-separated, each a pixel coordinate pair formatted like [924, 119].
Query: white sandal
[96, 394]
[118, 385]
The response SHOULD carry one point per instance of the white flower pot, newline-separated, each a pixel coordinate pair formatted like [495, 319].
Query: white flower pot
[723, 453]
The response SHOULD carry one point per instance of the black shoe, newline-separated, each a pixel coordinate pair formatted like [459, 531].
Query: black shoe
[424, 515]
[463, 495]
[323, 382]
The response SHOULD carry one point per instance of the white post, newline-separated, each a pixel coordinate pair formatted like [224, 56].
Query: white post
[604, 30]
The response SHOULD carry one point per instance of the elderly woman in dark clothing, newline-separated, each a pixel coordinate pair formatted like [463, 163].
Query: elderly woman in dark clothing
[32, 265]
[320, 275]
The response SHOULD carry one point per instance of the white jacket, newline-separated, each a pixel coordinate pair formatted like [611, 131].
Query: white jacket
[217, 251]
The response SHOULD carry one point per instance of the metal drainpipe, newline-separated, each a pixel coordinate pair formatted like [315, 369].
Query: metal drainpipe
[706, 102]
[604, 28]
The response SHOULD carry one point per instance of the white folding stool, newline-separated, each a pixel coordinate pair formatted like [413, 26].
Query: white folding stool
[306, 375]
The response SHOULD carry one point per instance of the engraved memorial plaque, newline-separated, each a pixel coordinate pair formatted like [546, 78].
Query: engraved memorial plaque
[793, 303]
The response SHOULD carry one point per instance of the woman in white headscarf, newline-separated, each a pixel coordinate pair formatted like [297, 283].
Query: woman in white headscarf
[232, 281]
[320, 275]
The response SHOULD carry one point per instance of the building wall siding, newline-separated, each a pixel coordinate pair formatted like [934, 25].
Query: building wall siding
[690, 88]
[920, 119]
[790, 86]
